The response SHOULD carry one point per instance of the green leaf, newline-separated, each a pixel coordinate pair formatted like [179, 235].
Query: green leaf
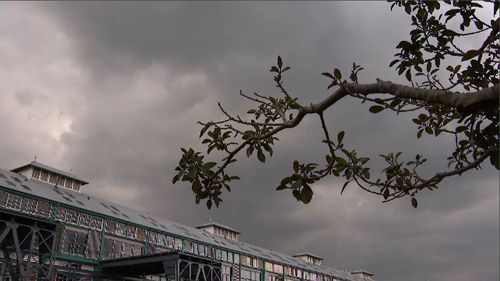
[386, 193]
[297, 184]
[209, 204]
[281, 187]
[366, 174]
[306, 194]
[340, 136]
[494, 160]
[376, 109]
[344, 186]
[280, 62]
[337, 74]
[393, 62]
[414, 202]
[193, 172]
[249, 151]
[261, 156]
[460, 129]
[296, 166]
[204, 129]
[408, 75]
[196, 187]
[470, 54]
[208, 166]
[419, 133]
[327, 74]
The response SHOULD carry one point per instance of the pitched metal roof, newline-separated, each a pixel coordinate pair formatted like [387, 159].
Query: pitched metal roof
[21, 184]
[50, 169]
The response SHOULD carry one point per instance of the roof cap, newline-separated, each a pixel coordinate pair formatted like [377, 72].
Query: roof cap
[307, 254]
[220, 225]
[50, 169]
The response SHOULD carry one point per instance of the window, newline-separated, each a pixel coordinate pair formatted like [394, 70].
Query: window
[84, 220]
[278, 268]
[29, 206]
[118, 248]
[170, 242]
[226, 273]
[178, 244]
[248, 275]
[44, 209]
[36, 173]
[74, 242]
[273, 277]
[69, 184]
[96, 223]
[3, 198]
[72, 216]
[13, 202]
[187, 246]
[153, 237]
[141, 234]
[110, 226]
[218, 254]
[53, 178]
[76, 186]
[44, 176]
[245, 260]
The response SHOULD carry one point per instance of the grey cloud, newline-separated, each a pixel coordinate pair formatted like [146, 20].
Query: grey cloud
[142, 74]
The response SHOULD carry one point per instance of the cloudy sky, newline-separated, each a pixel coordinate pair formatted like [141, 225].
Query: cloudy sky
[111, 91]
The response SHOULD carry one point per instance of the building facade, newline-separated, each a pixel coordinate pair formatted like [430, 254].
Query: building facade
[51, 230]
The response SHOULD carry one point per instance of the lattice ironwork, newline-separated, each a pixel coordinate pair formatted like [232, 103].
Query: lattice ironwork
[26, 251]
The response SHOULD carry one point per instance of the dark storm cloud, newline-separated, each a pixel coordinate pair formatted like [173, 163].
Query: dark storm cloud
[131, 80]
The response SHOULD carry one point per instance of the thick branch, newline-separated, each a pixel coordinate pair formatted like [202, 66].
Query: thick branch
[488, 96]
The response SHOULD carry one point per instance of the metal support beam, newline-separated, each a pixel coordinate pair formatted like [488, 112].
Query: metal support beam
[27, 250]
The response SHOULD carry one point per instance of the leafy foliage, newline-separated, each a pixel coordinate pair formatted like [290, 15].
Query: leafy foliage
[471, 117]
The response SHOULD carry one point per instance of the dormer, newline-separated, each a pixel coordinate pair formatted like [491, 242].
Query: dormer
[220, 230]
[53, 176]
[363, 274]
[309, 258]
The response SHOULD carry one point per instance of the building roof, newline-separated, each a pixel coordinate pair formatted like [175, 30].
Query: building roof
[220, 225]
[308, 254]
[21, 184]
[50, 169]
[362, 271]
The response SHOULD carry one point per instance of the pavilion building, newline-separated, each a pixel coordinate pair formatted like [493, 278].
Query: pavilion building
[51, 230]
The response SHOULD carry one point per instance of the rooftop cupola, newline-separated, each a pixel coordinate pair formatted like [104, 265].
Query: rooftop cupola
[220, 230]
[41, 172]
[310, 258]
[363, 274]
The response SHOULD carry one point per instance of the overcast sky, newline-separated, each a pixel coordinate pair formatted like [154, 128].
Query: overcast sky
[111, 91]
